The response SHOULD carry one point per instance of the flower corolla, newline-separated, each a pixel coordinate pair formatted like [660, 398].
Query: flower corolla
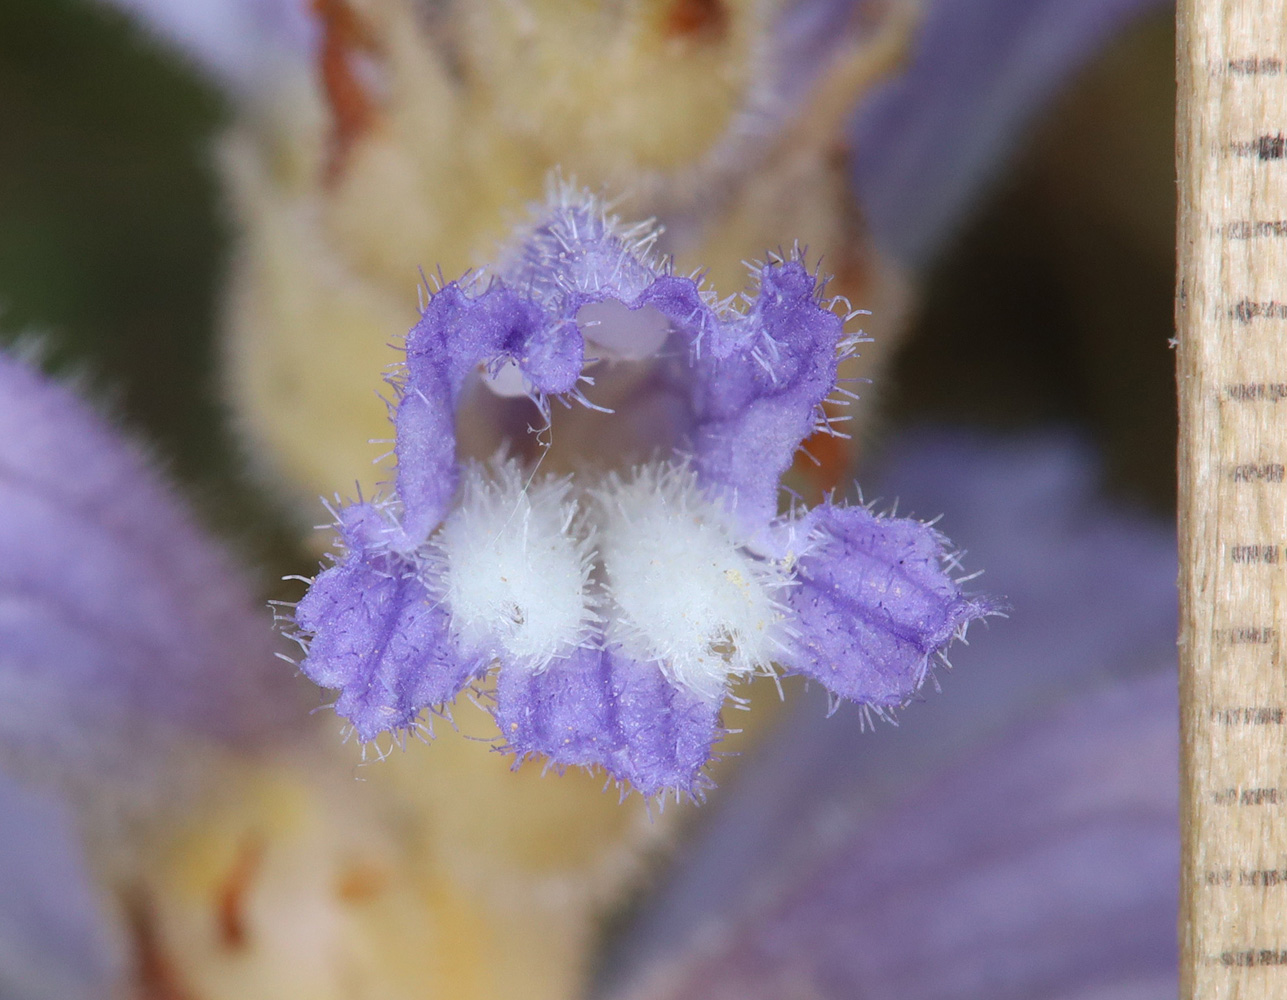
[619, 604]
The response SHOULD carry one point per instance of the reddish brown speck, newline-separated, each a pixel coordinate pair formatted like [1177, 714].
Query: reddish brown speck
[155, 975]
[230, 902]
[360, 882]
[702, 19]
[344, 37]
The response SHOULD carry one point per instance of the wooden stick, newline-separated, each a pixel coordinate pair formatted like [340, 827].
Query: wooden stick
[1231, 319]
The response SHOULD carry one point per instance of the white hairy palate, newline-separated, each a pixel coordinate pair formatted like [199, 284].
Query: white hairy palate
[683, 591]
[517, 572]
[673, 584]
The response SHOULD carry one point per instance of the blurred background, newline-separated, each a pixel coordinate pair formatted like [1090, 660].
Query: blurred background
[1046, 301]
[1030, 398]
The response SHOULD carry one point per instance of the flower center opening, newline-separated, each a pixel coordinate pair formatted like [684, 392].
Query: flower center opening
[623, 375]
[621, 333]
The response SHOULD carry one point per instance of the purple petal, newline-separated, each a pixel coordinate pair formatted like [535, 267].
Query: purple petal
[761, 379]
[379, 635]
[874, 604]
[1044, 867]
[457, 332]
[240, 43]
[1094, 595]
[597, 707]
[55, 942]
[574, 254]
[122, 628]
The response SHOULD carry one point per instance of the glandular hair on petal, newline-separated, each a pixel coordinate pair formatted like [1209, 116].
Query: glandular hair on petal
[517, 565]
[682, 590]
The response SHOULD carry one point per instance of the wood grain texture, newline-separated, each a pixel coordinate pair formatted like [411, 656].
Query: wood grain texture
[1231, 318]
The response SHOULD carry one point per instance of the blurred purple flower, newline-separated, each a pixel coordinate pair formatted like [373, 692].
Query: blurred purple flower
[930, 141]
[124, 633]
[130, 649]
[1019, 840]
[1045, 867]
[620, 607]
[239, 43]
[56, 942]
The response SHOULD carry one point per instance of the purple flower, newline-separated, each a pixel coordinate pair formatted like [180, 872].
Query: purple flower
[1034, 866]
[930, 141]
[125, 633]
[1020, 840]
[619, 605]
